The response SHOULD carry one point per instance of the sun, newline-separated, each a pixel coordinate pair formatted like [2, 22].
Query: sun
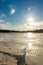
[30, 20]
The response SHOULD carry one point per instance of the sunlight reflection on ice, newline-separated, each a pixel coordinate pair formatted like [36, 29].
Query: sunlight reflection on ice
[30, 35]
[30, 45]
[30, 50]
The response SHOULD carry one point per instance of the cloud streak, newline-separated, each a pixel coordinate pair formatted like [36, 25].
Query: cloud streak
[3, 15]
[4, 24]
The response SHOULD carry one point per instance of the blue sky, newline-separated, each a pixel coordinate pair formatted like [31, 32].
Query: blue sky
[15, 14]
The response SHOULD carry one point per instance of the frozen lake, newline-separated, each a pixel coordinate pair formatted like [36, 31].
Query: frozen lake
[14, 43]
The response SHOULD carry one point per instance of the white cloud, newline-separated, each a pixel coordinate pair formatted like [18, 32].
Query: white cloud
[34, 26]
[12, 11]
[6, 25]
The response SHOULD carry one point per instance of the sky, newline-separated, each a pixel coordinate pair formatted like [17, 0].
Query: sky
[21, 14]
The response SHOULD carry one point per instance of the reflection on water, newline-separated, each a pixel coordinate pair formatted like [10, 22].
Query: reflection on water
[33, 42]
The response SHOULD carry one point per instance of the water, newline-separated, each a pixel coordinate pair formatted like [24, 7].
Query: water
[33, 42]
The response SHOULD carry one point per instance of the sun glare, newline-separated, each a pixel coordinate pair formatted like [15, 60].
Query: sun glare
[30, 19]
